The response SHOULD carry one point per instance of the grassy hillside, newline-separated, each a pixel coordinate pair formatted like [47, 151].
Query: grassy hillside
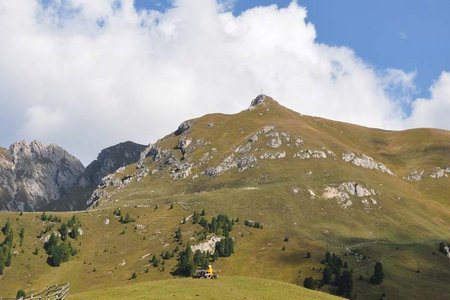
[225, 288]
[399, 222]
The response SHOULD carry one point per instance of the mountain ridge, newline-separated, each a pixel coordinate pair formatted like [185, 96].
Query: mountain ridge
[37, 176]
[312, 185]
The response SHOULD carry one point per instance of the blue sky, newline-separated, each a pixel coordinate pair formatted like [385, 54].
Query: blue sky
[412, 35]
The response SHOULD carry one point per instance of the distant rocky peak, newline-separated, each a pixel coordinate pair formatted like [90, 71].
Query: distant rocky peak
[36, 174]
[261, 99]
[22, 151]
[110, 159]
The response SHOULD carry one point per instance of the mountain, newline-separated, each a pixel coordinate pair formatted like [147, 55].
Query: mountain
[108, 160]
[295, 187]
[35, 176]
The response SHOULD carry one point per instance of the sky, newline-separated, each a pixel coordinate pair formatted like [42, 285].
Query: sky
[89, 74]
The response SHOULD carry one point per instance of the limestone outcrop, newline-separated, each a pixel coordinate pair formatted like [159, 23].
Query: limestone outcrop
[34, 174]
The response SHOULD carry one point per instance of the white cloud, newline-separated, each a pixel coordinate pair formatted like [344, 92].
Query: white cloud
[42, 122]
[433, 112]
[89, 74]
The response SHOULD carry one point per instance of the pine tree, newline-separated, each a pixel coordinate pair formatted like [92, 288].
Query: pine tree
[8, 258]
[185, 266]
[21, 235]
[337, 276]
[63, 230]
[2, 266]
[326, 277]
[52, 242]
[74, 232]
[309, 283]
[203, 223]
[442, 248]
[9, 238]
[195, 217]
[328, 258]
[178, 236]
[345, 284]
[20, 294]
[43, 217]
[378, 275]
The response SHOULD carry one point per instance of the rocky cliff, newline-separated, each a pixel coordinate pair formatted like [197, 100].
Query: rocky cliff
[33, 175]
[109, 160]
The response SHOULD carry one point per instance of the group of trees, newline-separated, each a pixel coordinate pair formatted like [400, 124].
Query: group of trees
[185, 265]
[332, 275]
[49, 226]
[58, 250]
[220, 225]
[188, 261]
[224, 248]
[58, 247]
[50, 218]
[71, 229]
[6, 247]
[124, 220]
[342, 280]
[253, 224]
[196, 217]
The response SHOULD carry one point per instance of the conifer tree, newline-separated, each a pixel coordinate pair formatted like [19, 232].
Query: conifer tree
[326, 277]
[378, 275]
[309, 283]
[345, 284]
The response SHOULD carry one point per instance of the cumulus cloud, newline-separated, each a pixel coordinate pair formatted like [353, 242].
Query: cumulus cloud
[433, 112]
[87, 74]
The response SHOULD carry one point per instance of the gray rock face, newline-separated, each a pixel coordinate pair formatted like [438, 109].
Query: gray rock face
[366, 162]
[438, 173]
[258, 100]
[183, 127]
[307, 154]
[109, 160]
[415, 175]
[33, 175]
[345, 190]
[208, 246]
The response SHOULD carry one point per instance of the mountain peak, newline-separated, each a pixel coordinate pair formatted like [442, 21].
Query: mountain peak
[261, 99]
[258, 100]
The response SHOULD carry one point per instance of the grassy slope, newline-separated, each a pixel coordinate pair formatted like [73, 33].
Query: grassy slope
[413, 215]
[224, 288]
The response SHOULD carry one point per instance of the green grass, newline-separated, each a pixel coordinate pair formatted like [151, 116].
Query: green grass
[223, 288]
